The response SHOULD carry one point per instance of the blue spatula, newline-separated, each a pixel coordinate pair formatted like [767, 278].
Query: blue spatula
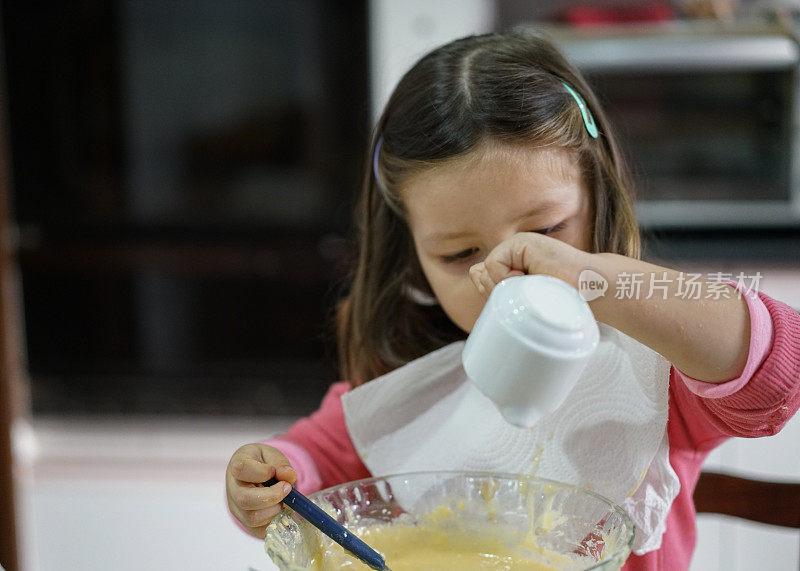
[332, 528]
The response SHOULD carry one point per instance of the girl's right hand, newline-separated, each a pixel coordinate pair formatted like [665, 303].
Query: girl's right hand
[251, 503]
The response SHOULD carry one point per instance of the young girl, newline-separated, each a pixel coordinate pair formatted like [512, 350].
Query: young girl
[493, 158]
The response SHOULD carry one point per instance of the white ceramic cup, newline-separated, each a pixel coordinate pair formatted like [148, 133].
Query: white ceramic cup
[529, 346]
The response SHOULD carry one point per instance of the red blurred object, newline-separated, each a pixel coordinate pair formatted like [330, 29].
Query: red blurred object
[586, 16]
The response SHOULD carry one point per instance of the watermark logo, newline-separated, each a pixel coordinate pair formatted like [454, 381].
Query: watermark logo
[591, 285]
[648, 285]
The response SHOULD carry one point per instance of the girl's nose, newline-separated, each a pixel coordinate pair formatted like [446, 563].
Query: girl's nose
[498, 238]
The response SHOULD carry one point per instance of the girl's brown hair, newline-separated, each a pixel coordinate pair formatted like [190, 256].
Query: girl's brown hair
[480, 89]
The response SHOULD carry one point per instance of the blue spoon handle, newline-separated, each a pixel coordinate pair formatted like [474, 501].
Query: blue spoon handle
[332, 528]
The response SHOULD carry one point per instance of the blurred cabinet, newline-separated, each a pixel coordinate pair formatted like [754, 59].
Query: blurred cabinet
[183, 175]
[12, 404]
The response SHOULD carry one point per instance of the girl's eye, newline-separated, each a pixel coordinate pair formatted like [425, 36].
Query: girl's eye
[551, 229]
[465, 255]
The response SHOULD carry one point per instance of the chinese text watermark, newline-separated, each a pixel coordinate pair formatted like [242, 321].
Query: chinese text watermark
[660, 285]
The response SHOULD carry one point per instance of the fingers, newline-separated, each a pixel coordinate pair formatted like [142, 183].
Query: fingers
[250, 498]
[246, 469]
[261, 518]
[514, 257]
[286, 473]
[529, 253]
[256, 522]
[256, 463]
[255, 519]
[481, 279]
[253, 504]
[475, 273]
[274, 457]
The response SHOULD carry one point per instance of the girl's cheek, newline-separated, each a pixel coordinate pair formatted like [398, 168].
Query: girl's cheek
[473, 302]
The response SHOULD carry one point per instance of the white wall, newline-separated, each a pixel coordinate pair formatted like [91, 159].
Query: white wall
[401, 31]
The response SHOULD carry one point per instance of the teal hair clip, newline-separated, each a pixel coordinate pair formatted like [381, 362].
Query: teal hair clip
[588, 119]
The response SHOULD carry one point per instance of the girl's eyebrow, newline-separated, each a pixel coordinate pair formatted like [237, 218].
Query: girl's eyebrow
[539, 209]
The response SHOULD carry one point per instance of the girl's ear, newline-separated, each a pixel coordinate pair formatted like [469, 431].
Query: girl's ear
[418, 296]
[415, 285]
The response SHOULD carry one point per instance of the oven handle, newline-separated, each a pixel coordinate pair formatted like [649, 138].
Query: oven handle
[682, 53]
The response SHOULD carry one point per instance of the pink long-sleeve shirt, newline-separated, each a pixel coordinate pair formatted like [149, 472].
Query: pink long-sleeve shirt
[701, 416]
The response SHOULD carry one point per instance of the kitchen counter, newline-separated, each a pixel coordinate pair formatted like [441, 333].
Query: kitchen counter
[132, 494]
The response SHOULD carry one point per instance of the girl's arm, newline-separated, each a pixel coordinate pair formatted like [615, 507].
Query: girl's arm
[706, 338]
[319, 446]
[701, 327]
[702, 414]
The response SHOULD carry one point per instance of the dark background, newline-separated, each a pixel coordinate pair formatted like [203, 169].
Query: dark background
[182, 183]
[183, 175]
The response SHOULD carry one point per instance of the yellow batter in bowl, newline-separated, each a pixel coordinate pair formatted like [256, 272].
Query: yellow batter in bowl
[441, 544]
[460, 520]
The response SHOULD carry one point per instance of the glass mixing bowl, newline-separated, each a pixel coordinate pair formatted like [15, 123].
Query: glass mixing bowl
[590, 530]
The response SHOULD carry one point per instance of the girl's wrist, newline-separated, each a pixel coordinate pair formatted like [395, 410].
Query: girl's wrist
[607, 266]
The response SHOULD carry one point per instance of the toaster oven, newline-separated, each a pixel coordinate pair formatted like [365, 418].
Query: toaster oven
[708, 115]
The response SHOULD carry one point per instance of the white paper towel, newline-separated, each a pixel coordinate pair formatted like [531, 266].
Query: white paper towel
[609, 436]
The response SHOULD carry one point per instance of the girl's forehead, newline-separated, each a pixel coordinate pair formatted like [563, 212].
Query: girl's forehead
[493, 170]
[490, 160]
[494, 185]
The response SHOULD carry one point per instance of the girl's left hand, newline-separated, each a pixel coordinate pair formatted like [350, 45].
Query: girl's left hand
[529, 253]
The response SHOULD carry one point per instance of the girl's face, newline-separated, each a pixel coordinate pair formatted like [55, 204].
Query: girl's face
[460, 210]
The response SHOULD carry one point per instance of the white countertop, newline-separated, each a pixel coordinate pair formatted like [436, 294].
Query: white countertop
[132, 494]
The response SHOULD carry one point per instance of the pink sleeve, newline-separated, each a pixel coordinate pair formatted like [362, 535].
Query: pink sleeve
[319, 446]
[760, 345]
[308, 476]
[762, 405]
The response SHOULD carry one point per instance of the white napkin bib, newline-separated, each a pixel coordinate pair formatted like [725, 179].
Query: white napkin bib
[609, 436]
